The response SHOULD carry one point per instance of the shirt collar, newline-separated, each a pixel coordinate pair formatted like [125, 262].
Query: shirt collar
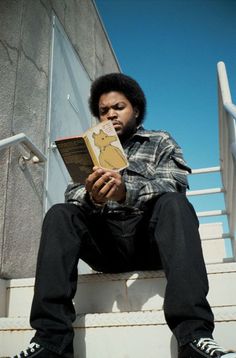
[141, 132]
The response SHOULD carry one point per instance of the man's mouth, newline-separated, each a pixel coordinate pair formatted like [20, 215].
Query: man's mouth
[116, 124]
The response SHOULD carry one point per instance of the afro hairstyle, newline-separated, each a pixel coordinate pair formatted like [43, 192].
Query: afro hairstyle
[118, 82]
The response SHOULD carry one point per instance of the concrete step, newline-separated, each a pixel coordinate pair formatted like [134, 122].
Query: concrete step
[119, 335]
[120, 315]
[123, 316]
[125, 292]
[213, 242]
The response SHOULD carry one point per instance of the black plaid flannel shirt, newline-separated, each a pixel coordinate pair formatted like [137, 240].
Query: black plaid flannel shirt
[156, 166]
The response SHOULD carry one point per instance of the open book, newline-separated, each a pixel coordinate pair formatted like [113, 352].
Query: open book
[99, 146]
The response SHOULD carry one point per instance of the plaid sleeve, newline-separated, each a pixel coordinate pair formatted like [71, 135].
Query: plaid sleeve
[160, 170]
[75, 194]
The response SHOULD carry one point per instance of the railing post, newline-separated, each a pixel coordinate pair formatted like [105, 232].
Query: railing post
[227, 128]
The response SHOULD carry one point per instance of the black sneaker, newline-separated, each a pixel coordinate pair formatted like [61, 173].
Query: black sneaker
[37, 351]
[204, 348]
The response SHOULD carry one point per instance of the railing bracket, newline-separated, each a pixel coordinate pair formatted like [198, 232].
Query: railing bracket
[23, 160]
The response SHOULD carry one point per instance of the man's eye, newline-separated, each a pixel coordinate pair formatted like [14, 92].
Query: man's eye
[102, 110]
[119, 107]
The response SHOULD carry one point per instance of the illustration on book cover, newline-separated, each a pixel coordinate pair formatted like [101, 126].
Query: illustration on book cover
[110, 156]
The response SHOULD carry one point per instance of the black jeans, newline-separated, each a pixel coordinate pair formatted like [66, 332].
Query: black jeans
[164, 236]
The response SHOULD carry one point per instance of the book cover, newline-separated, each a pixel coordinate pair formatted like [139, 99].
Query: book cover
[99, 146]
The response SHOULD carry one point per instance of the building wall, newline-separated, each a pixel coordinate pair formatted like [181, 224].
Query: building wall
[25, 43]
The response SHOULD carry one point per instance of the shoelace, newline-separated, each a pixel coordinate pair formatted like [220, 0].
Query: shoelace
[209, 346]
[30, 349]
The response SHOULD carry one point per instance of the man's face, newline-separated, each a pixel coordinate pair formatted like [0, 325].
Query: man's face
[116, 107]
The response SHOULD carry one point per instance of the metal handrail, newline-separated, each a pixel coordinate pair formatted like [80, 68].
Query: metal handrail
[21, 138]
[231, 108]
[206, 170]
[208, 191]
[205, 191]
[227, 129]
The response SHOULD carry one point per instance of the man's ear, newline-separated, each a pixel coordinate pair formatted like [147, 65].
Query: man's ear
[136, 112]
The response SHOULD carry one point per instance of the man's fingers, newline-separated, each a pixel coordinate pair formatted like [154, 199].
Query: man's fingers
[92, 178]
[112, 190]
[102, 185]
[105, 185]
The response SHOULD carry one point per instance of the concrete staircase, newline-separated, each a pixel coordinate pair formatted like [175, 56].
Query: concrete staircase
[121, 316]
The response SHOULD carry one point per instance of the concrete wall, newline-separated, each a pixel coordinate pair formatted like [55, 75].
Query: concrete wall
[25, 39]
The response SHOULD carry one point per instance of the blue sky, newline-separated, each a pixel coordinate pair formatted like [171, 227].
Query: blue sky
[171, 47]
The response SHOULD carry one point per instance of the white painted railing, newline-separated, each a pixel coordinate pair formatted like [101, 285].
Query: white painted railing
[35, 154]
[227, 129]
[207, 192]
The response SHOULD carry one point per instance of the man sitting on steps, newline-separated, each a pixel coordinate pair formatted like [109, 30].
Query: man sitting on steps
[139, 219]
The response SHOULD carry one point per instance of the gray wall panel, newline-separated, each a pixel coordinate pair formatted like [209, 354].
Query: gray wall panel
[25, 48]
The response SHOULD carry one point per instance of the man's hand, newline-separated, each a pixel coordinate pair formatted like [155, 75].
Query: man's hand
[104, 185]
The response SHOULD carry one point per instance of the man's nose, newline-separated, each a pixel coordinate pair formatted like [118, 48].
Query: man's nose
[111, 114]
